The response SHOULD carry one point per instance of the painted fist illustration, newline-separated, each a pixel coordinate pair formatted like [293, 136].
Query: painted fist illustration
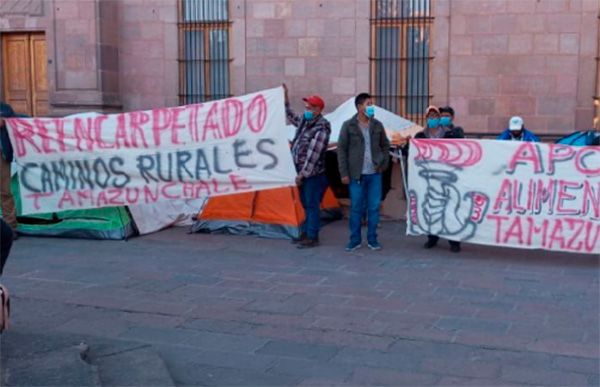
[442, 209]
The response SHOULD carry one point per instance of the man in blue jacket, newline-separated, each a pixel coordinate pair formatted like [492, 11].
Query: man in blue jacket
[9, 213]
[516, 132]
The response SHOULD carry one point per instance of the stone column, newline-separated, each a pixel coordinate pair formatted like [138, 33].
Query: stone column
[83, 56]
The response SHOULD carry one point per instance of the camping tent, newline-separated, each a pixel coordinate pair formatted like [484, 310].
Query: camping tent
[581, 138]
[394, 125]
[272, 213]
[97, 223]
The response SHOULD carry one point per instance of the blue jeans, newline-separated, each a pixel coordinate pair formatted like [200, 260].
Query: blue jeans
[311, 193]
[369, 187]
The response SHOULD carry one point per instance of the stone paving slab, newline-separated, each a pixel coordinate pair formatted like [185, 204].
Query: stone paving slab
[234, 310]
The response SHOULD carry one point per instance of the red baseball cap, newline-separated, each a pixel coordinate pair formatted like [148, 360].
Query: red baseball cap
[315, 100]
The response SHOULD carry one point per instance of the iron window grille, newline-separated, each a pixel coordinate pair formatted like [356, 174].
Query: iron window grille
[204, 50]
[400, 57]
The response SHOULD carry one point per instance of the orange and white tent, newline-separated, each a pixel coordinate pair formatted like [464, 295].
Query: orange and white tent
[272, 213]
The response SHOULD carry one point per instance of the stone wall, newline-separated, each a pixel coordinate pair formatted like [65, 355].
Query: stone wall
[82, 49]
[492, 58]
[148, 52]
[533, 58]
[314, 46]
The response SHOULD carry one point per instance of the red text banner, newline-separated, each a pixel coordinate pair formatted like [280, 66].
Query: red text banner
[517, 194]
[207, 149]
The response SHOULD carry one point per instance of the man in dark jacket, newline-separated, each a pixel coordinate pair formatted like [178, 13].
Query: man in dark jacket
[440, 125]
[7, 201]
[363, 154]
[308, 150]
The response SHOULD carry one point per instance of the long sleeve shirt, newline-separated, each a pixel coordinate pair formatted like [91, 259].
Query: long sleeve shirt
[310, 143]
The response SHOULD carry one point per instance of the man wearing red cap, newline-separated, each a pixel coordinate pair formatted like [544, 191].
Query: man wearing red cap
[308, 150]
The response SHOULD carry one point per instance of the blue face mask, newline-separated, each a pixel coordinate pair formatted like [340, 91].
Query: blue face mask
[433, 123]
[308, 115]
[446, 121]
[370, 111]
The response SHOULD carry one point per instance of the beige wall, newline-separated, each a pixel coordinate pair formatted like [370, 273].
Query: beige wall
[314, 46]
[534, 58]
[103, 55]
[148, 52]
[82, 49]
[492, 58]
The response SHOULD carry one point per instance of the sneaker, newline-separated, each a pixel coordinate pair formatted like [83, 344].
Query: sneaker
[374, 246]
[455, 248]
[353, 246]
[308, 243]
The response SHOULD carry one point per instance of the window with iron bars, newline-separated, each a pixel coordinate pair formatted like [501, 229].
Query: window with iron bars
[204, 56]
[400, 56]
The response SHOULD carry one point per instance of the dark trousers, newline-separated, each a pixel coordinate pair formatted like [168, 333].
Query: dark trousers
[6, 240]
[311, 194]
[434, 239]
[367, 188]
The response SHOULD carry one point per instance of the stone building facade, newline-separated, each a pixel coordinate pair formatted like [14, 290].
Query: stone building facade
[489, 59]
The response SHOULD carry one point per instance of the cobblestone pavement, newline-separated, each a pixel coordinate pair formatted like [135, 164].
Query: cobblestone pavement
[231, 310]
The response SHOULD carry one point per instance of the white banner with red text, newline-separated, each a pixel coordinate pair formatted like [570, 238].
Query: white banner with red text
[207, 149]
[506, 193]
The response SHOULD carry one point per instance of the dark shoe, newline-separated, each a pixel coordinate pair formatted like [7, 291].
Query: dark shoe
[353, 246]
[374, 246]
[455, 248]
[301, 238]
[430, 244]
[308, 243]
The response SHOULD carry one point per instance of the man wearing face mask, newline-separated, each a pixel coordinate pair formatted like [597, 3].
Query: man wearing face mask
[363, 154]
[439, 124]
[447, 123]
[308, 150]
[435, 129]
[516, 132]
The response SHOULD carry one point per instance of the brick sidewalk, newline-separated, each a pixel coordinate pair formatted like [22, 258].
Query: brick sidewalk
[228, 310]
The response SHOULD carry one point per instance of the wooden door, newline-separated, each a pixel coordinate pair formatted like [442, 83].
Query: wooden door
[39, 78]
[24, 75]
